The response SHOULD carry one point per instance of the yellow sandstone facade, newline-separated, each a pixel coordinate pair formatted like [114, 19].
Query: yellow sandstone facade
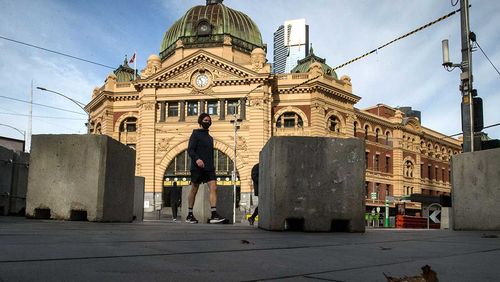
[207, 64]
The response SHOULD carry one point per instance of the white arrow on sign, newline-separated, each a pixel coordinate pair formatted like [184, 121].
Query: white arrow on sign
[434, 215]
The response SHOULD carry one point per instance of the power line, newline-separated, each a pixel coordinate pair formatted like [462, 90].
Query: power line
[23, 101]
[477, 43]
[25, 115]
[457, 134]
[55, 52]
[397, 39]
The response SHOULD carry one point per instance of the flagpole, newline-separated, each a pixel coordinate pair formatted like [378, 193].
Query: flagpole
[135, 65]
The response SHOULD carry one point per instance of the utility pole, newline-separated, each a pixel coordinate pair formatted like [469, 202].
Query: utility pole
[466, 80]
[236, 122]
[471, 106]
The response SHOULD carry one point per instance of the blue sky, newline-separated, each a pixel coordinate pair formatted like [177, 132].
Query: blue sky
[406, 73]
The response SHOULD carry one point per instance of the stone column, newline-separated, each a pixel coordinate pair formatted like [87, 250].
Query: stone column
[222, 112]
[202, 107]
[162, 111]
[182, 112]
[242, 108]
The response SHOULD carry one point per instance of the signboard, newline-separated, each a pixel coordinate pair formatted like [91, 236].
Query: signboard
[434, 216]
[374, 195]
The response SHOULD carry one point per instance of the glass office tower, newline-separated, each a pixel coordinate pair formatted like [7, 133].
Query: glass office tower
[291, 43]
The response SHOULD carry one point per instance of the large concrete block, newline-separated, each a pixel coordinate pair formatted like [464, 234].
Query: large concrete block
[476, 190]
[80, 177]
[139, 198]
[312, 184]
[19, 183]
[201, 209]
[6, 169]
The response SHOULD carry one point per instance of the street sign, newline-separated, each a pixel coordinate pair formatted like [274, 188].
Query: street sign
[434, 216]
[374, 195]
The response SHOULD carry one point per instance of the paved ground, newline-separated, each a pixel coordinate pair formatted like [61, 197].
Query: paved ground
[44, 250]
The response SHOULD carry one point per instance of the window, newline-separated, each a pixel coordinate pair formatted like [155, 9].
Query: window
[436, 173]
[289, 120]
[367, 158]
[377, 131]
[387, 135]
[366, 190]
[387, 163]
[129, 125]
[173, 109]
[377, 162]
[98, 129]
[192, 108]
[334, 124]
[212, 107]
[232, 107]
[355, 128]
[366, 132]
[429, 172]
[442, 175]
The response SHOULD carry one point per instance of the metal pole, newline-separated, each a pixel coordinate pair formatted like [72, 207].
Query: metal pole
[234, 166]
[466, 80]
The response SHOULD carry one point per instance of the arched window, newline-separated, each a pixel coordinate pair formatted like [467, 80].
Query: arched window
[387, 137]
[366, 131]
[334, 124]
[98, 129]
[355, 128]
[289, 120]
[377, 132]
[129, 125]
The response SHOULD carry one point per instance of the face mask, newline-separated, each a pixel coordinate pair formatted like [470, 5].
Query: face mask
[206, 125]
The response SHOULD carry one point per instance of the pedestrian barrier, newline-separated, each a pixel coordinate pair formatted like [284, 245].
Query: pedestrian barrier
[405, 221]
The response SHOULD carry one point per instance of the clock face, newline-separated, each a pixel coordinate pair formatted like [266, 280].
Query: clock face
[201, 80]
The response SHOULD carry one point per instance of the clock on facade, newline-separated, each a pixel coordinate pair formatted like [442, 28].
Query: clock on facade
[201, 80]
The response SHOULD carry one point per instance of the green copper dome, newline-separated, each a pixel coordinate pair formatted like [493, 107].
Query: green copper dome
[124, 73]
[206, 26]
[304, 65]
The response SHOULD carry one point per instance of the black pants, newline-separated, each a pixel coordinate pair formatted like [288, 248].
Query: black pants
[175, 205]
[255, 212]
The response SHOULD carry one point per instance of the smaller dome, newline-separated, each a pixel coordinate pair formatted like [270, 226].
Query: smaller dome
[124, 73]
[154, 58]
[305, 64]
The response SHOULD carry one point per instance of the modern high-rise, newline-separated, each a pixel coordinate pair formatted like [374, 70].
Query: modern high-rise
[291, 43]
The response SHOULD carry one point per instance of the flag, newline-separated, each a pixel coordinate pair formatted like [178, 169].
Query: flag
[132, 60]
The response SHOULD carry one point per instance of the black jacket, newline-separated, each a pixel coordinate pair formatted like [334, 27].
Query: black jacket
[201, 146]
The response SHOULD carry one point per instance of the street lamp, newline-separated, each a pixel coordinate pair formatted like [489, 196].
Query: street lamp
[18, 130]
[79, 104]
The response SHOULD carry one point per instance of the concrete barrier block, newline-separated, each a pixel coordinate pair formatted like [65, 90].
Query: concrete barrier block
[139, 198]
[312, 184]
[19, 183]
[476, 190]
[80, 177]
[6, 169]
[201, 209]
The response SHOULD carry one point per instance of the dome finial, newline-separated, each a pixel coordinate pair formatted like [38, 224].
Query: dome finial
[311, 51]
[210, 2]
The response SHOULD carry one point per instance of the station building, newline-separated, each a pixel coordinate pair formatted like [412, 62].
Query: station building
[212, 59]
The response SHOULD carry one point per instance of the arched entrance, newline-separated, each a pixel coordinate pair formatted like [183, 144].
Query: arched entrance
[178, 170]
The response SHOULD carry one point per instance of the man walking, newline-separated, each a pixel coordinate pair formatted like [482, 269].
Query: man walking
[201, 152]
[175, 199]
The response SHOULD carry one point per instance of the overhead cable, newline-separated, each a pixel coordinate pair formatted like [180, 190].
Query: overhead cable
[55, 52]
[47, 106]
[399, 38]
